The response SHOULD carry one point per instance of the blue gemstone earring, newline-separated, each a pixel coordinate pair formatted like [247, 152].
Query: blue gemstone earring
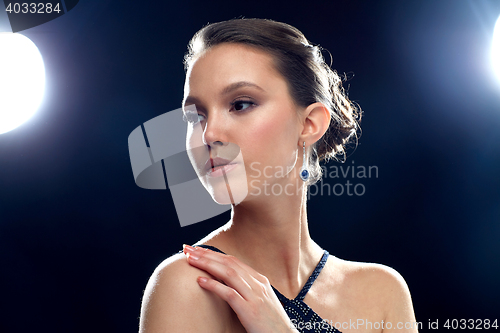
[304, 174]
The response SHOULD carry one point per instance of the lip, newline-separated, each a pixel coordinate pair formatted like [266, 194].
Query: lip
[220, 166]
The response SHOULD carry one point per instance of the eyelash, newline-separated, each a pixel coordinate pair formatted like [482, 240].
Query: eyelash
[189, 117]
[242, 101]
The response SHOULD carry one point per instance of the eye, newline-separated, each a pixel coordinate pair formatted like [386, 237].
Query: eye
[241, 105]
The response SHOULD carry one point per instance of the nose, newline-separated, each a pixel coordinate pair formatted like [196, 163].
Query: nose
[214, 133]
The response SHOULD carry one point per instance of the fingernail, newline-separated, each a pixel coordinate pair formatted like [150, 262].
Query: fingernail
[202, 279]
[192, 255]
[187, 248]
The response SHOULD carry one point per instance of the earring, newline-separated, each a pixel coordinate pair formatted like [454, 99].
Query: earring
[304, 174]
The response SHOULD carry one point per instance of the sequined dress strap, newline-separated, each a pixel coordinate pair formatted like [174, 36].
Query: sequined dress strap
[310, 281]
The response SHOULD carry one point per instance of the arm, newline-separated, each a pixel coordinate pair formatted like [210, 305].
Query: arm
[399, 308]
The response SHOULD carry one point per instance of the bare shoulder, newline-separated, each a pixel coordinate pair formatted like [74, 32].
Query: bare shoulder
[374, 276]
[377, 290]
[174, 302]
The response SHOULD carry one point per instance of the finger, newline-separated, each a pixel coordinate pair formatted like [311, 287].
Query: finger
[231, 296]
[227, 269]
[219, 257]
[222, 258]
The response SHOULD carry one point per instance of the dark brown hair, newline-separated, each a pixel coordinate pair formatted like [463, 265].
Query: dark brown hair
[309, 78]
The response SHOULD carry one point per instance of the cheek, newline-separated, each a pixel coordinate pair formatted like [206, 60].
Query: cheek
[197, 151]
[273, 141]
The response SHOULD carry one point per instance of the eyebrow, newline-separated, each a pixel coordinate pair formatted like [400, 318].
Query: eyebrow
[227, 90]
[234, 86]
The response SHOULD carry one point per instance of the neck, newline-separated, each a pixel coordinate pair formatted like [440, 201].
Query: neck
[271, 235]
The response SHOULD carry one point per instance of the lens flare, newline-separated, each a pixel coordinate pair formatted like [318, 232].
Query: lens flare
[22, 80]
[495, 49]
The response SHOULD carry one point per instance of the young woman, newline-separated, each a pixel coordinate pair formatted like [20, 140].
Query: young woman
[262, 102]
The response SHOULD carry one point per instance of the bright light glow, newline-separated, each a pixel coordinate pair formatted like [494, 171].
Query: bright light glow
[22, 80]
[495, 48]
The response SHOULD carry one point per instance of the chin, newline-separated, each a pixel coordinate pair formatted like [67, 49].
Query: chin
[233, 192]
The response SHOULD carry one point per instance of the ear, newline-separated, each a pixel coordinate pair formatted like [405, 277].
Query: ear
[316, 122]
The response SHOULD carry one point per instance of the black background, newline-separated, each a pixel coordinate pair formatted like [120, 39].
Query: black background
[79, 240]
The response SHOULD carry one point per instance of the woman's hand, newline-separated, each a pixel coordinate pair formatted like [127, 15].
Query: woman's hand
[248, 292]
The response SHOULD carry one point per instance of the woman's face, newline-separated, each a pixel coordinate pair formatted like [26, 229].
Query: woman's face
[243, 126]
